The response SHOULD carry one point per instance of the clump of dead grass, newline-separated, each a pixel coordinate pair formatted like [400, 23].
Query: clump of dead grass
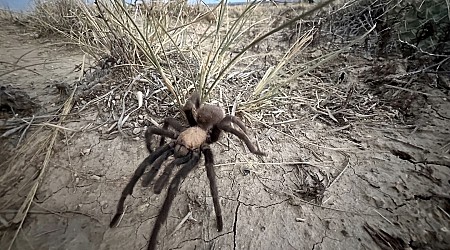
[56, 17]
[350, 90]
[10, 16]
[156, 38]
[158, 50]
[401, 50]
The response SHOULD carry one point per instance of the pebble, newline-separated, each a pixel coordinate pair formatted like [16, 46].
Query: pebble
[95, 177]
[104, 129]
[143, 207]
[85, 151]
[136, 131]
[104, 204]
[378, 202]
[317, 53]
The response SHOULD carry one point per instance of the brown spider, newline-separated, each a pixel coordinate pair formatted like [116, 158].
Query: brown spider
[206, 122]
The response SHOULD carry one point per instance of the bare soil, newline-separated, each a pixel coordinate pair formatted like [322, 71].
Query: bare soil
[318, 188]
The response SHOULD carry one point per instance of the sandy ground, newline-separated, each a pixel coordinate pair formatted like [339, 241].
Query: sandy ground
[318, 188]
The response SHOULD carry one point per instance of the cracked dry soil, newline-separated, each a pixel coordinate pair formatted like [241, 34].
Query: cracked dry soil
[394, 178]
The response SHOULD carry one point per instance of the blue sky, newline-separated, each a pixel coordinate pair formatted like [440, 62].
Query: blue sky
[15, 5]
[24, 5]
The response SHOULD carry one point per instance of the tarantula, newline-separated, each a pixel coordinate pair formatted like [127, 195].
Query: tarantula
[206, 123]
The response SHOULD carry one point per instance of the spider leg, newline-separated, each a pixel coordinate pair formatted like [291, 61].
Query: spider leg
[157, 131]
[190, 108]
[209, 165]
[233, 119]
[155, 168]
[174, 124]
[225, 125]
[128, 190]
[214, 135]
[159, 184]
[171, 193]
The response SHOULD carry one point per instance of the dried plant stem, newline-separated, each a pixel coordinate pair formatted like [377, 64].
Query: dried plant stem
[23, 211]
[264, 36]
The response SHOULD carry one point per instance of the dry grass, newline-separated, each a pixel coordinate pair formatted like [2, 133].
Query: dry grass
[161, 40]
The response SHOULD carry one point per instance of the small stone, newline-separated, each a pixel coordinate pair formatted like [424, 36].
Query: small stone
[316, 54]
[104, 129]
[136, 131]
[117, 97]
[85, 151]
[141, 117]
[141, 122]
[104, 204]
[378, 202]
[143, 207]
[95, 177]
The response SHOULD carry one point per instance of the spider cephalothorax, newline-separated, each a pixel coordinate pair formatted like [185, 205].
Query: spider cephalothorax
[206, 122]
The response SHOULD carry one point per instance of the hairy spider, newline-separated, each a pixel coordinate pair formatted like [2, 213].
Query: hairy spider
[206, 123]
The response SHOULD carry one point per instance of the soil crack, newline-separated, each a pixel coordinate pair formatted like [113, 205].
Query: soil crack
[317, 243]
[235, 219]
[182, 243]
[263, 206]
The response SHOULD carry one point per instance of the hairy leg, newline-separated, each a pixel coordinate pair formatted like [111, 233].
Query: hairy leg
[225, 125]
[157, 131]
[172, 122]
[233, 119]
[214, 135]
[128, 190]
[171, 193]
[190, 108]
[155, 168]
[209, 165]
[159, 184]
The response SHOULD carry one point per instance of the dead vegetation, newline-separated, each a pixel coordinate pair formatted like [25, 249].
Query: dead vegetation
[357, 63]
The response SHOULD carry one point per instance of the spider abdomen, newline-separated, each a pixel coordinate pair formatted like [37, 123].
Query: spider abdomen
[192, 138]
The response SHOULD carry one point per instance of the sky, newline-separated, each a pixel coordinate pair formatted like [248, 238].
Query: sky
[15, 5]
[24, 5]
